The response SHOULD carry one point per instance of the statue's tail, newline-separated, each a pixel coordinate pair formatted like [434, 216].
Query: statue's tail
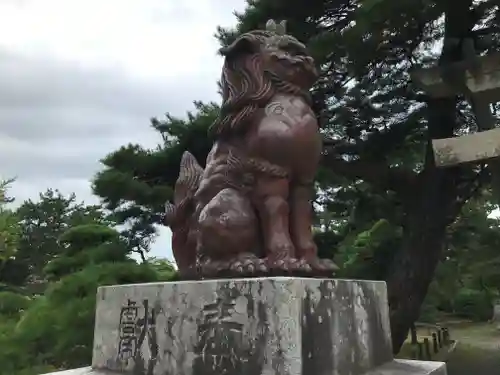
[190, 174]
[178, 215]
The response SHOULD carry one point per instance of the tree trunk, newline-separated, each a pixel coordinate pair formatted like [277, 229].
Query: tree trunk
[435, 201]
[428, 209]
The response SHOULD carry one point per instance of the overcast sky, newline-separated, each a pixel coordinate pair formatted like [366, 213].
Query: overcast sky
[80, 78]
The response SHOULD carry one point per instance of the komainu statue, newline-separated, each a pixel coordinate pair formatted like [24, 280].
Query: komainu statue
[249, 212]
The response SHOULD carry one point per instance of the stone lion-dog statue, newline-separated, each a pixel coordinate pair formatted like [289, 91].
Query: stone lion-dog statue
[249, 212]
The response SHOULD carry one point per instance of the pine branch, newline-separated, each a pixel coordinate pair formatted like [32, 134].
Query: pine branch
[379, 174]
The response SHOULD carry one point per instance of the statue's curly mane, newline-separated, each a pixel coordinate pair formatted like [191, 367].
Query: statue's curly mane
[246, 85]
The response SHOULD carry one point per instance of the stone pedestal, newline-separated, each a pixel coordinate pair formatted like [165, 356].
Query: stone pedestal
[496, 314]
[267, 326]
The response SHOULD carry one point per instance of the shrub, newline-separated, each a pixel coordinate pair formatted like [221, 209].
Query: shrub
[473, 304]
[53, 332]
[13, 304]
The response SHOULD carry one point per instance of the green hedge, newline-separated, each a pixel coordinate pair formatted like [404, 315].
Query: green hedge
[473, 304]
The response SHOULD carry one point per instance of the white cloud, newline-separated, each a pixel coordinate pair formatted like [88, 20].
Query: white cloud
[82, 77]
[145, 37]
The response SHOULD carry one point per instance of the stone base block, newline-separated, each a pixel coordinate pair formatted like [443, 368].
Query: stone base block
[79, 371]
[408, 367]
[396, 367]
[496, 312]
[263, 326]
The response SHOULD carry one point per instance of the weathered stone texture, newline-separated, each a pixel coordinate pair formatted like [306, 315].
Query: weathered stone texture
[407, 367]
[467, 148]
[496, 312]
[278, 326]
[395, 367]
[485, 84]
[267, 326]
[80, 371]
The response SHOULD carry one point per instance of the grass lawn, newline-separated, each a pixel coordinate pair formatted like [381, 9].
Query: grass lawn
[407, 350]
[467, 360]
[477, 352]
[479, 335]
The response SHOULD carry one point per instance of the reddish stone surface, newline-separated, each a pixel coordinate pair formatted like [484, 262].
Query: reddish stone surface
[249, 213]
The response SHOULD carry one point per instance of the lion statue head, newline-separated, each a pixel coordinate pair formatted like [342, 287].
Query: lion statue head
[257, 65]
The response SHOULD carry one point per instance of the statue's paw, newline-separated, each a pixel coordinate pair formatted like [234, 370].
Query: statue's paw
[248, 267]
[261, 267]
[285, 266]
[304, 267]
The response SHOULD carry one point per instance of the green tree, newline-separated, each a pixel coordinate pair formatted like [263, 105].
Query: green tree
[467, 279]
[85, 245]
[57, 328]
[9, 233]
[163, 267]
[377, 127]
[41, 224]
[137, 182]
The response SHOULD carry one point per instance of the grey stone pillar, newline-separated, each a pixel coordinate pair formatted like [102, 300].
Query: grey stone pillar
[496, 313]
[266, 326]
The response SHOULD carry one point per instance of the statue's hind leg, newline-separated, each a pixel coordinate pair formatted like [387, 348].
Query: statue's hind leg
[228, 237]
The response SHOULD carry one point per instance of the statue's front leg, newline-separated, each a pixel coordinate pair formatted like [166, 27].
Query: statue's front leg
[301, 221]
[271, 200]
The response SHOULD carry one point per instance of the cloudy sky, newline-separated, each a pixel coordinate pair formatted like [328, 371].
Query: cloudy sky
[80, 78]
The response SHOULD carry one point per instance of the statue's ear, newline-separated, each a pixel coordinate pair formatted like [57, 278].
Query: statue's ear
[240, 46]
[281, 28]
[271, 26]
